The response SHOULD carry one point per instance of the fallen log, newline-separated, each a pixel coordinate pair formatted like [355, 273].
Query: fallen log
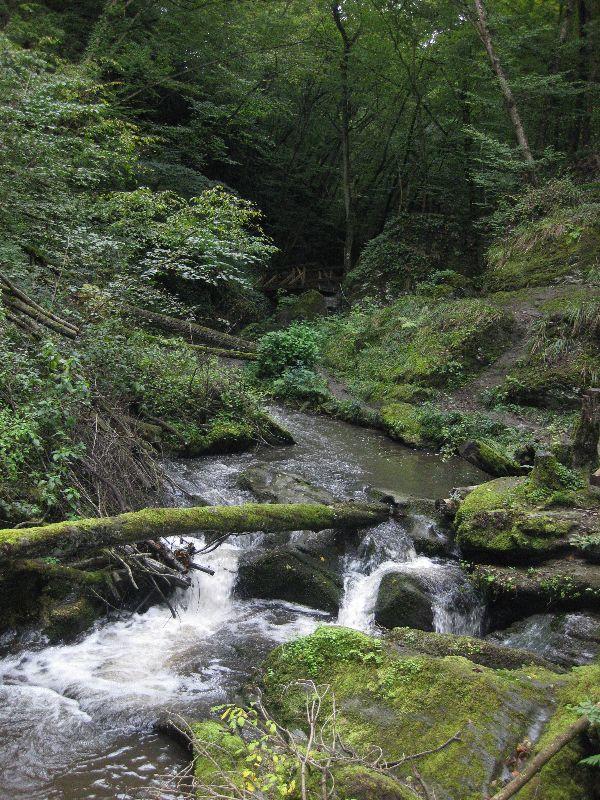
[219, 352]
[542, 758]
[63, 539]
[197, 334]
[19, 302]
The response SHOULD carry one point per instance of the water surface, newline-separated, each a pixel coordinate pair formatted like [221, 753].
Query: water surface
[76, 720]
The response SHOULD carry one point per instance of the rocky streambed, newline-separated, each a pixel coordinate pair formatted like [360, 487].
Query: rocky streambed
[78, 720]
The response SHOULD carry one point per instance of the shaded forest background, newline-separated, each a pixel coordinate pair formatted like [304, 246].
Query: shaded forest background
[174, 156]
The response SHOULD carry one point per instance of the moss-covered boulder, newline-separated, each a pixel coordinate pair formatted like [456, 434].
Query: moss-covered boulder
[224, 435]
[404, 600]
[286, 573]
[513, 520]
[490, 457]
[487, 653]
[401, 421]
[411, 703]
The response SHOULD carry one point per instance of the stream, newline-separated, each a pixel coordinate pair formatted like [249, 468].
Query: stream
[76, 720]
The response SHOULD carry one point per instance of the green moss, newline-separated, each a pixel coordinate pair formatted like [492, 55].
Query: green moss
[360, 783]
[520, 517]
[536, 381]
[477, 650]
[401, 421]
[406, 704]
[489, 456]
[540, 253]
[415, 342]
[67, 618]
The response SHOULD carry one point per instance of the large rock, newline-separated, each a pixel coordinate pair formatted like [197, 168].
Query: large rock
[523, 520]
[513, 593]
[286, 573]
[425, 524]
[409, 702]
[404, 600]
[490, 458]
[273, 486]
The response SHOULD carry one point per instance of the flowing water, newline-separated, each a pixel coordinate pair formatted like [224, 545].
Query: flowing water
[77, 720]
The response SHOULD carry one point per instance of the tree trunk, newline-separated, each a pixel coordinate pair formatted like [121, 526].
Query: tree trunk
[553, 68]
[190, 330]
[581, 132]
[542, 758]
[65, 539]
[346, 121]
[587, 436]
[511, 105]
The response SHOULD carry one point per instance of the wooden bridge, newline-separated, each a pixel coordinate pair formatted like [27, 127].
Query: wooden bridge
[306, 276]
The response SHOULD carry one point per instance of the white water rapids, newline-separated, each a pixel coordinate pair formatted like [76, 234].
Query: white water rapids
[76, 720]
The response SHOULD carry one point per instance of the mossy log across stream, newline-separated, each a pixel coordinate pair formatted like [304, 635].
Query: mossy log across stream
[64, 539]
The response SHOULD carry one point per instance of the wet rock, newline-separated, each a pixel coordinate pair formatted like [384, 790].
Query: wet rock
[429, 537]
[423, 523]
[558, 585]
[286, 573]
[566, 639]
[404, 601]
[272, 486]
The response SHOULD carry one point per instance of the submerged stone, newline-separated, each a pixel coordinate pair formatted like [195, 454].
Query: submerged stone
[273, 486]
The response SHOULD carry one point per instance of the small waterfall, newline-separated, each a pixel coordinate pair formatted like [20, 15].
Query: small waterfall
[209, 600]
[388, 549]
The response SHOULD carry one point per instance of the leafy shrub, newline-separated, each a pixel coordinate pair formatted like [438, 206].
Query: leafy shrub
[210, 240]
[43, 394]
[161, 381]
[300, 385]
[278, 351]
